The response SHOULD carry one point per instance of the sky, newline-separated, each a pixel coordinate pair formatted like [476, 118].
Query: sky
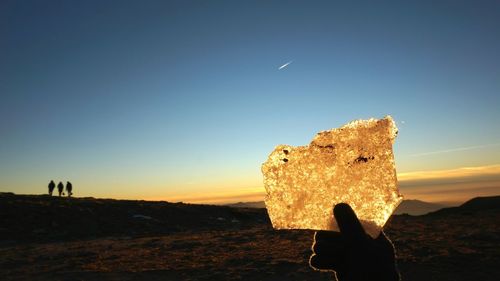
[184, 100]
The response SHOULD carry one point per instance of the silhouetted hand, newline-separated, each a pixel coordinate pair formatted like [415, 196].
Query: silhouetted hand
[352, 253]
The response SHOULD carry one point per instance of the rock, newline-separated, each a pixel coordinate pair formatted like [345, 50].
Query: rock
[142, 217]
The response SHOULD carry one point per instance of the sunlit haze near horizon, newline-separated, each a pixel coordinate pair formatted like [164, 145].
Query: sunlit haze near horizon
[184, 100]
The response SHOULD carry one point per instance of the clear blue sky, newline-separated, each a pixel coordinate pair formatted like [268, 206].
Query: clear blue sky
[148, 98]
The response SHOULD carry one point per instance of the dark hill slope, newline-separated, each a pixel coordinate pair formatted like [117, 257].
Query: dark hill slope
[41, 217]
[482, 203]
[475, 205]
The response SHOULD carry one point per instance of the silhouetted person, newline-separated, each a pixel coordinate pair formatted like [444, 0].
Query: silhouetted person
[52, 185]
[60, 188]
[69, 189]
[352, 253]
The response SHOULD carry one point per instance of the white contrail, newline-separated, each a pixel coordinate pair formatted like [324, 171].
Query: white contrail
[285, 65]
[455, 149]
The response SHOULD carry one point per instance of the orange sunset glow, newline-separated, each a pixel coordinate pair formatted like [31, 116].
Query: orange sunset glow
[207, 140]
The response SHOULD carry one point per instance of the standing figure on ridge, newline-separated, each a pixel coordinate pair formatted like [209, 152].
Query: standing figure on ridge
[52, 185]
[69, 189]
[60, 187]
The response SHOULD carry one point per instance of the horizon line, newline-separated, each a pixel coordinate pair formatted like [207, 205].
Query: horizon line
[416, 185]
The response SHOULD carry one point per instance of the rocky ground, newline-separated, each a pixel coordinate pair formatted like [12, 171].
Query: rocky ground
[48, 238]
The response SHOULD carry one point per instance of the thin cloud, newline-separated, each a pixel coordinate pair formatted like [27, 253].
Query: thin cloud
[455, 149]
[453, 186]
[451, 173]
[221, 198]
[285, 65]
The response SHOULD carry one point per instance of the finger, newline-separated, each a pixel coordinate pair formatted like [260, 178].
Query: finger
[385, 243]
[322, 235]
[328, 243]
[382, 238]
[322, 263]
[348, 222]
[337, 250]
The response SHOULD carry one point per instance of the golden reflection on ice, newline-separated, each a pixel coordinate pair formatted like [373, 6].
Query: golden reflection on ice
[353, 164]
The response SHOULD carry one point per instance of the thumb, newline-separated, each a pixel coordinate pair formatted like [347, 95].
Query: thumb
[348, 222]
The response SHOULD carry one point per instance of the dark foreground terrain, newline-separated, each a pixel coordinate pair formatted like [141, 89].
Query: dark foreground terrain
[49, 238]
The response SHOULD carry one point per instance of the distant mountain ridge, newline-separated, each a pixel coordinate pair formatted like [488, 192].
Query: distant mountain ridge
[46, 218]
[255, 204]
[410, 207]
[416, 207]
